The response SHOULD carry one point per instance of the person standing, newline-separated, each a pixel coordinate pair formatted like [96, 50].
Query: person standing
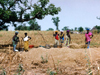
[67, 38]
[62, 37]
[56, 35]
[26, 42]
[88, 37]
[15, 40]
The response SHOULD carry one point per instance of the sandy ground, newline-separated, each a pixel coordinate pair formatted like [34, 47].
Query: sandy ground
[63, 61]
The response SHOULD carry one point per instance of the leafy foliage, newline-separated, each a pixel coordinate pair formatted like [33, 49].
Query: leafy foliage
[4, 27]
[33, 26]
[56, 21]
[12, 11]
[50, 29]
[75, 28]
[65, 28]
[98, 28]
[80, 29]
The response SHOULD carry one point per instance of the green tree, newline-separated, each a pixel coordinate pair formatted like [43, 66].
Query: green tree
[65, 28]
[12, 11]
[56, 21]
[98, 28]
[71, 29]
[80, 29]
[4, 27]
[50, 29]
[34, 25]
[22, 27]
[75, 28]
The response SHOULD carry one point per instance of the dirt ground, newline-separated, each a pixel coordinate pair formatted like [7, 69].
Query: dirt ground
[41, 61]
[76, 60]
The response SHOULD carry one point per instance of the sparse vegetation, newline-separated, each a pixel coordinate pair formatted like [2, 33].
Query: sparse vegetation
[44, 60]
[3, 72]
[50, 72]
[20, 70]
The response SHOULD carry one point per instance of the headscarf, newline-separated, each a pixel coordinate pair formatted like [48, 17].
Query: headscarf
[16, 32]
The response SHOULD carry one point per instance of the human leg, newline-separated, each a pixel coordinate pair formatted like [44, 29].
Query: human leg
[14, 47]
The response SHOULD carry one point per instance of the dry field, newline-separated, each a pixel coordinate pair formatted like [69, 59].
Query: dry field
[77, 39]
[75, 60]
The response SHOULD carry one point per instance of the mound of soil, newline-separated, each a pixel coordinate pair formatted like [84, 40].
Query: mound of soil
[41, 61]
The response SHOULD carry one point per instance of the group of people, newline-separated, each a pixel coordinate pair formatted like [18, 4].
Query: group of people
[64, 39]
[15, 40]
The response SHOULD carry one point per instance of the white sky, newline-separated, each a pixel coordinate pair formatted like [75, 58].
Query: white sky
[74, 13]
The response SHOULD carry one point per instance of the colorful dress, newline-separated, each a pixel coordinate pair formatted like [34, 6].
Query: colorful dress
[88, 36]
[62, 38]
[88, 39]
[67, 41]
[56, 39]
[26, 43]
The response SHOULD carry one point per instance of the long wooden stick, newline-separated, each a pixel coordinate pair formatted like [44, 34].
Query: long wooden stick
[42, 37]
[91, 60]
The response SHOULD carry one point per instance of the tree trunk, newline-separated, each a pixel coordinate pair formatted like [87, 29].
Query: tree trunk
[57, 27]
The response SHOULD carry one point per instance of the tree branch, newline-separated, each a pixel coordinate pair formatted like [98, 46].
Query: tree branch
[23, 20]
[12, 4]
[2, 5]
[98, 18]
[22, 12]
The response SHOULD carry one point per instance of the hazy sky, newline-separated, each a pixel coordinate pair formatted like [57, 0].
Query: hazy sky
[74, 13]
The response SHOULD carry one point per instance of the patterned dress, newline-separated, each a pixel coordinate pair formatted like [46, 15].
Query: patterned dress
[67, 41]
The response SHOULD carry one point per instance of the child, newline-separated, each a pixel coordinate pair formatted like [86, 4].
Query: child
[88, 37]
[62, 37]
[26, 42]
[67, 39]
[56, 37]
[15, 40]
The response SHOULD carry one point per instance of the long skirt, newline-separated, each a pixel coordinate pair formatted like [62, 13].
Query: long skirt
[67, 42]
[26, 45]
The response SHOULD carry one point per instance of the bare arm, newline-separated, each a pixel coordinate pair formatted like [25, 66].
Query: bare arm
[29, 37]
[92, 36]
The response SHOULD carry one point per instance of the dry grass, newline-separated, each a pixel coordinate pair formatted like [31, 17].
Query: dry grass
[77, 39]
[73, 61]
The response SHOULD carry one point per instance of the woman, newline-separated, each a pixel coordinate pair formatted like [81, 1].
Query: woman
[88, 37]
[56, 35]
[67, 38]
[62, 37]
[26, 42]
